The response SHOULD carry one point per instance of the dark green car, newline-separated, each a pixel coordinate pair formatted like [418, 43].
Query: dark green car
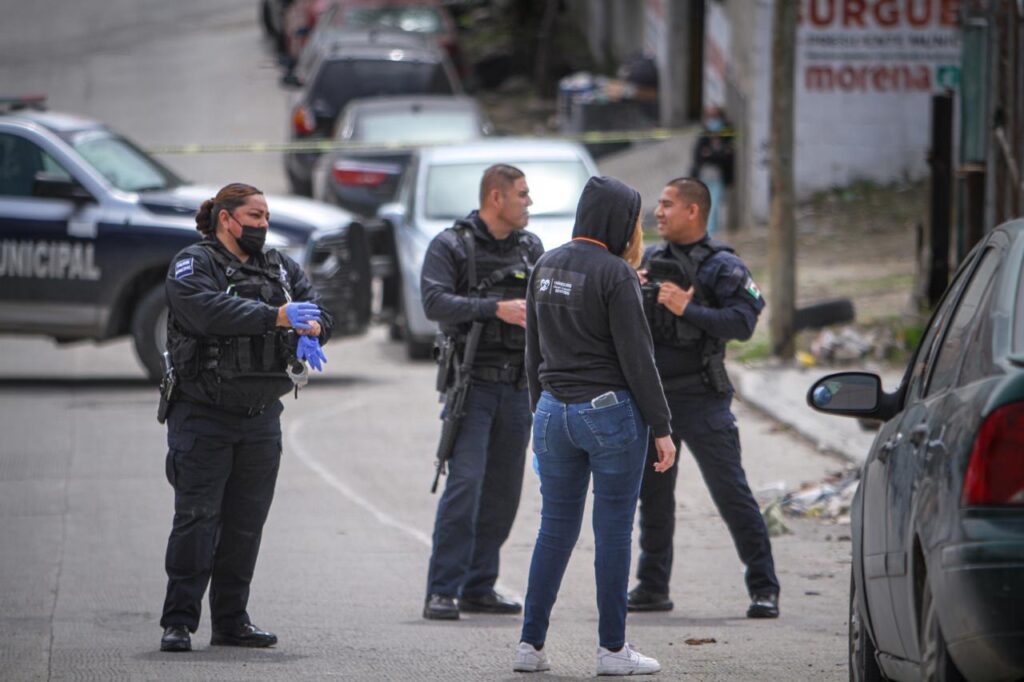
[937, 586]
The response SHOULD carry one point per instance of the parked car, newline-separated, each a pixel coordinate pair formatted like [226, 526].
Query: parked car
[353, 66]
[938, 520]
[441, 185]
[305, 19]
[429, 18]
[89, 224]
[385, 131]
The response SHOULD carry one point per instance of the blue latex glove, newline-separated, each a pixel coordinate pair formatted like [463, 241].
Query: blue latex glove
[301, 313]
[309, 350]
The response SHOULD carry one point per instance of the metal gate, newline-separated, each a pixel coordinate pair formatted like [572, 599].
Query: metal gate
[1007, 192]
[992, 107]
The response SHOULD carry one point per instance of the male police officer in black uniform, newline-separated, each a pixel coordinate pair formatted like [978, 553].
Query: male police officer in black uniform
[481, 495]
[231, 336]
[711, 299]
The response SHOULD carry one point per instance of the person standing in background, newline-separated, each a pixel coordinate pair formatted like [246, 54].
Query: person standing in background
[713, 161]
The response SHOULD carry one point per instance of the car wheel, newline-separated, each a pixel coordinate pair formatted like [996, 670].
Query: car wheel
[936, 664]
[863, 663]
[149, 329]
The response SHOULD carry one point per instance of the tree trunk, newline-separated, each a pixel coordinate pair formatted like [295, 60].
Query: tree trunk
[782, 220]
[542, 84]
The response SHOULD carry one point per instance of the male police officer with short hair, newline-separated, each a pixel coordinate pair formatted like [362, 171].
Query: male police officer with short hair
[707, 298]
[476, 272]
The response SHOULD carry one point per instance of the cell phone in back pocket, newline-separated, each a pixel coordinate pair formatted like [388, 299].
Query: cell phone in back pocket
[605, 400]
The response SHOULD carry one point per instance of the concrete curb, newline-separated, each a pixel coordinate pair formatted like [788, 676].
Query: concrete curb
[780, 392]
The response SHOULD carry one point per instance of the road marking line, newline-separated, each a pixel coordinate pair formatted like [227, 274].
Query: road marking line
[307, 458]
[382, 517]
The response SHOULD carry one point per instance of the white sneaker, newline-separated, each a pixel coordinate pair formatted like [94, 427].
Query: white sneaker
[530, 660]
[625, 661]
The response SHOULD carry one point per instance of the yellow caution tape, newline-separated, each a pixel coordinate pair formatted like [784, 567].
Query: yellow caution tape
[320, 146]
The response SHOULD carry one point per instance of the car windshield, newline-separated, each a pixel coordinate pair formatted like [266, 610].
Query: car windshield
[417, 19]
[555, 187]
[416, 127]
[344, 80]
[124, 165]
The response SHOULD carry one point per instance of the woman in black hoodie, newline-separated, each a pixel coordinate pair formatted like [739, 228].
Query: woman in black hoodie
[595, 391]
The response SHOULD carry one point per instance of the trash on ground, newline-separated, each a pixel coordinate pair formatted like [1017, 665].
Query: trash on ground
[773, 520]
[694, 641]
[828, 499]
[848, 345]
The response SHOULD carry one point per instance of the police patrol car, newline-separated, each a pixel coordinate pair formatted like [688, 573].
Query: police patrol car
[89, 224]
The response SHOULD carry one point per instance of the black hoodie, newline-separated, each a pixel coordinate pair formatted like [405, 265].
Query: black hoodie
[585, 327]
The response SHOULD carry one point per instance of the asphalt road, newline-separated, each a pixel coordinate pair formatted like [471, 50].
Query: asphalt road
[85, 509]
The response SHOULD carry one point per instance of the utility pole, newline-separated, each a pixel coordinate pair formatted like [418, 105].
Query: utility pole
[782, 218]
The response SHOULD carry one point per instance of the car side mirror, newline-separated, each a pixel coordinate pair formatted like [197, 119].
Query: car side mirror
[850, 394]
[392, 212]
[54, 186]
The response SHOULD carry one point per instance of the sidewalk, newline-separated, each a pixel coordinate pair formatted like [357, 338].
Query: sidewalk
[781, 393]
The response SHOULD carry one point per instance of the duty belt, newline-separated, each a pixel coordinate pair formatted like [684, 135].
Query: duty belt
[498, 375]
[232, 410]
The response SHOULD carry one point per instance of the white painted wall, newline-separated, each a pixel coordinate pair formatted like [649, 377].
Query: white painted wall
[865, 73]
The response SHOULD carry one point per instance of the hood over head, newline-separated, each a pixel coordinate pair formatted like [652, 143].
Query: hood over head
[607, 212]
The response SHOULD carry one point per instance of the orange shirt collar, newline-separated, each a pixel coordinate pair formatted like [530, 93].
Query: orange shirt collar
[592, 241]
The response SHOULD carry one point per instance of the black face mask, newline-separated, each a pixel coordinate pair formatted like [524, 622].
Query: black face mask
[252, 239]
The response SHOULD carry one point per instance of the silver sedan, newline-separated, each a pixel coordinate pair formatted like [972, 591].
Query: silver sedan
[442, 185]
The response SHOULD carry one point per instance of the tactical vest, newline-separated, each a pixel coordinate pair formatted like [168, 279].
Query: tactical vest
[691, 346]
[238, 372]
[498, 276]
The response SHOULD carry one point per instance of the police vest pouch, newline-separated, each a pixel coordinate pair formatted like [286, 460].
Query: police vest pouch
[498, 334]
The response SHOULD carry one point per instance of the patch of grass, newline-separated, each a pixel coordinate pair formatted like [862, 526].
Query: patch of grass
[886, 283]
[758, 347]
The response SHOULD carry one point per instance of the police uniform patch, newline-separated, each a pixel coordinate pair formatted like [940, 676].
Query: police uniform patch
[752, 289]
[183, 268]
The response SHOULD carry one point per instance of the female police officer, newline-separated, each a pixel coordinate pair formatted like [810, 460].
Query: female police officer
[231, 334]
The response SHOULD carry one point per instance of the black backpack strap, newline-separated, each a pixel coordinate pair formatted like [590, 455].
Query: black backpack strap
[524, 252]
[466, 233]
[220, 258]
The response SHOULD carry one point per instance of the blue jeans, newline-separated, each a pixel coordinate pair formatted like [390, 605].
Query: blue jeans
[712, 177]
[481, 493]
[571, 441]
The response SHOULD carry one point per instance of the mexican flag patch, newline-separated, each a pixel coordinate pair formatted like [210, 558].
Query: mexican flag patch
[752, 289]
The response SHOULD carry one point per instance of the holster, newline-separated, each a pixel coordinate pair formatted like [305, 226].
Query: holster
[167, 386]
[717, 377]
[445, 354]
